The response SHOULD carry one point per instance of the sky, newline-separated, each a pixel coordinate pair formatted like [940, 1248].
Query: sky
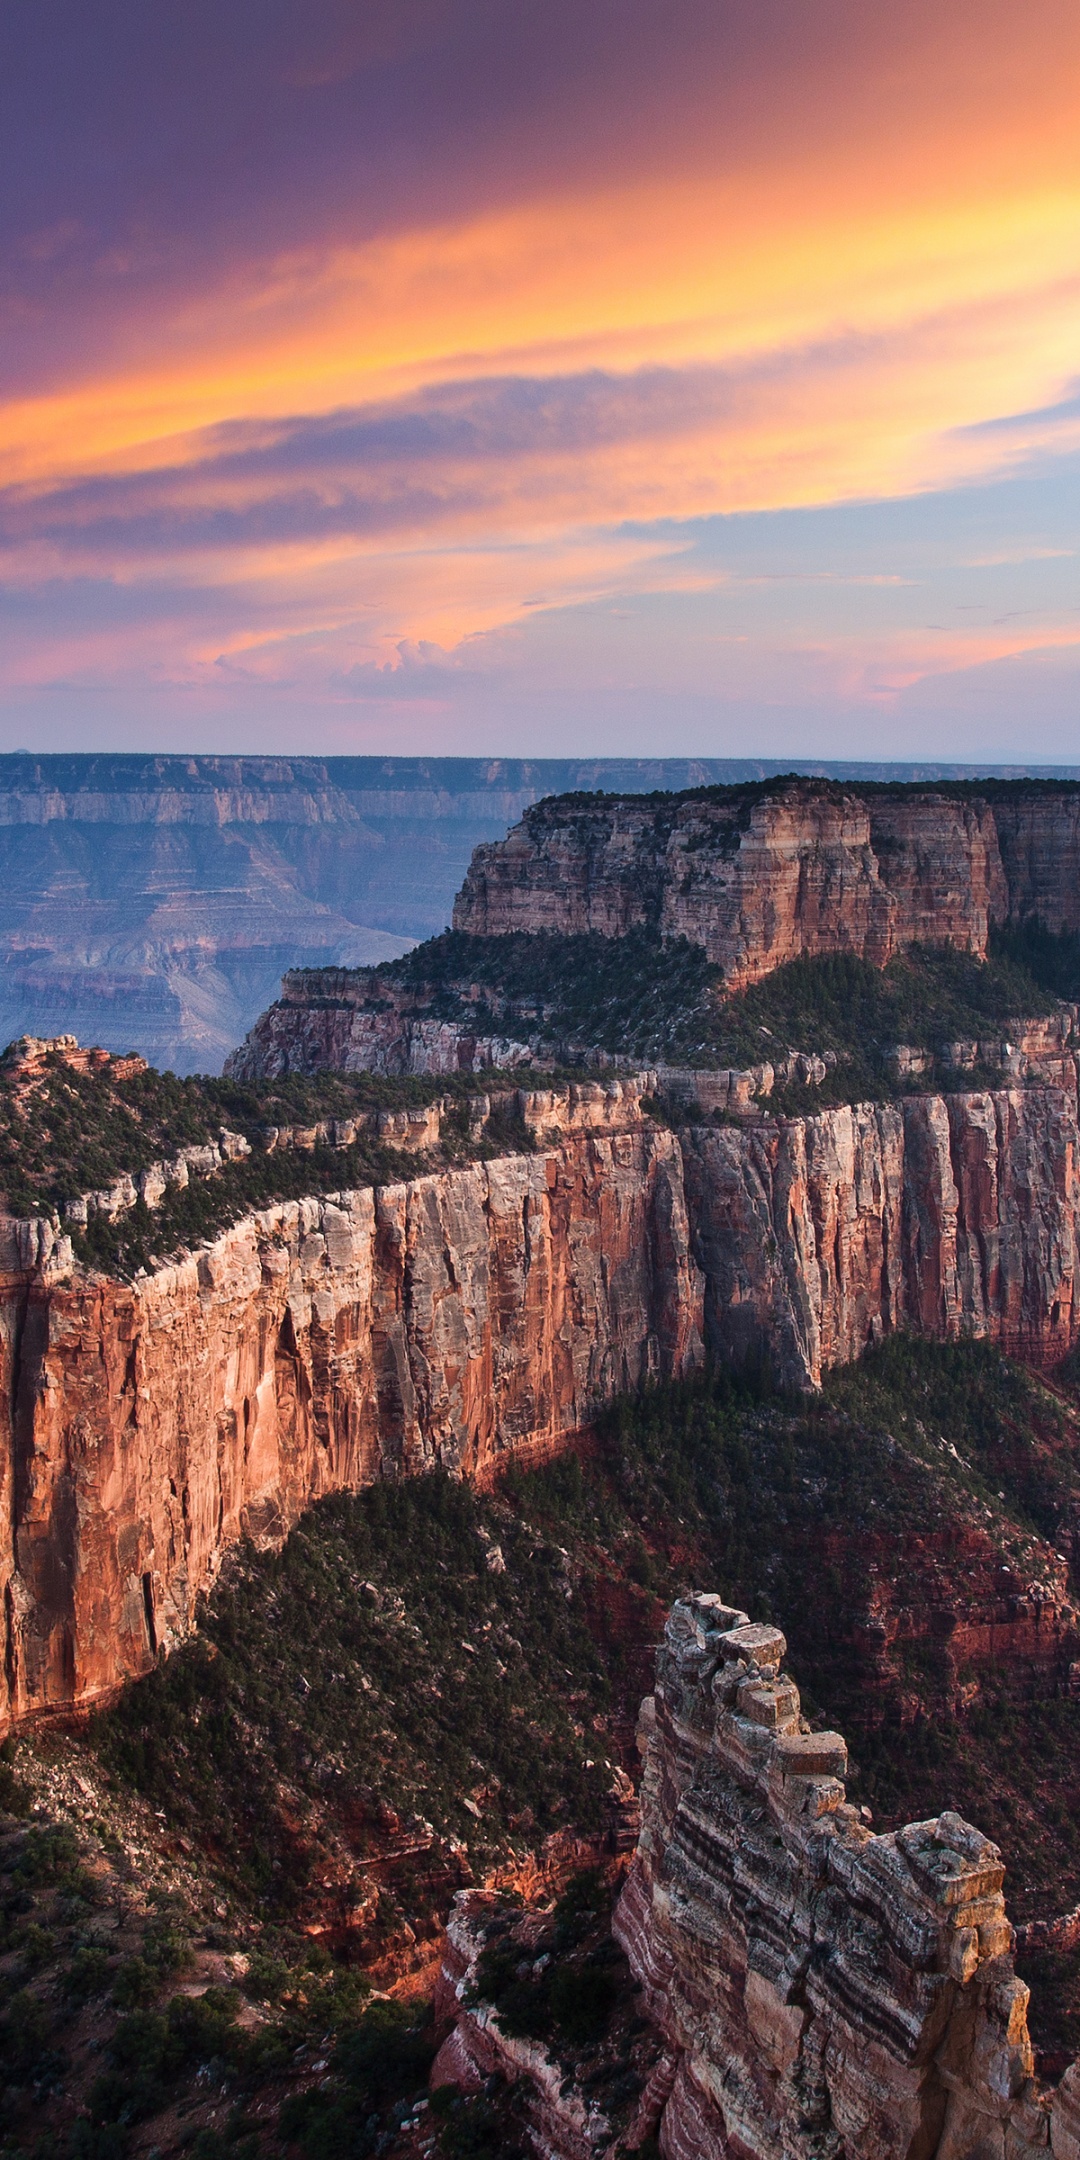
[480, 376]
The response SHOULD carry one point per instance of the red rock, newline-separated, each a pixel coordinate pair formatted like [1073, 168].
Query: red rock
[318, 1345]
[472, 1313]
[817, 1988]
[806, 867]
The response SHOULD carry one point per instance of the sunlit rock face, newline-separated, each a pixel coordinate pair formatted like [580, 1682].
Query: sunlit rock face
[467, 1315]
[458, 1319]
[821, 1990]
[800, 869]
[944, 1215]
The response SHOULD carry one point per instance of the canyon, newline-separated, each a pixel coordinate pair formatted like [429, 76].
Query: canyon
[153, 902]
[523, 1266]
[469, 1317]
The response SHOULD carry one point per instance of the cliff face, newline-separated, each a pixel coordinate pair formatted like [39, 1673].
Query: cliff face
[342, 1020]
[945, 1215]
[320, 1344]
[472, 1313]
[819, 1989]
[799, 869]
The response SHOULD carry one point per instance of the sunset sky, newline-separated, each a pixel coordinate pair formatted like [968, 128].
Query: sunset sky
[483, 375]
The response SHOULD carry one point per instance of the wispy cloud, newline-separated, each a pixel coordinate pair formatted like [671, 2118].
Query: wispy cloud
[397, 355]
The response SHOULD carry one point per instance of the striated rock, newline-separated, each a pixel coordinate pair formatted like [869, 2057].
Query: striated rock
[466, 1313]
[759, 877]
[814, 1991]
[352, 1020]
[945, 1215]
[317, 1345]
[820, 1990]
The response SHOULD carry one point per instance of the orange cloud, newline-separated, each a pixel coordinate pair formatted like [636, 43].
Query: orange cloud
[825, 279]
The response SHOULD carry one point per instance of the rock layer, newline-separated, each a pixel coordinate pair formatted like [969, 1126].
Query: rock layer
[759, 877]
[352, 1020]
[472, 1313]
[821, 1990]
[317, 1345]
[944, 1215]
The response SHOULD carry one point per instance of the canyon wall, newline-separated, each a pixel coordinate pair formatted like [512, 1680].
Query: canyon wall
[153, 902]
[454, 1319]
[942, 1215]
[471, 1314]
[819, 1989]
[352, 1020]
[800, 867]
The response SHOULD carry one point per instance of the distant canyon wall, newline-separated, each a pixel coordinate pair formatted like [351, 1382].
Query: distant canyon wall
[472, 1315]
[801, 868]
[152, 903]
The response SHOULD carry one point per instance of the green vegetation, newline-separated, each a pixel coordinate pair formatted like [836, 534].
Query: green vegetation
[382, 1672]
[425, 1682]
[630, 994]
[742, 794]
[378, 2062]
[570, 1989]
[411, 1654]
[64, 1132]
[114, 2008]
[641, 996]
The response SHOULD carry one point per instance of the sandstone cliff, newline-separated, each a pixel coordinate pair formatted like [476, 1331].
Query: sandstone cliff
[758, 877]
[453, 1319]
[469, 1313]
[945, 1215]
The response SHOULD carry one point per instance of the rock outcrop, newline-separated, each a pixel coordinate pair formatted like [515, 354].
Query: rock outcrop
[760, 876]
[455, 1319]
[352, 1020]
[814, 1991]
[820, 1990]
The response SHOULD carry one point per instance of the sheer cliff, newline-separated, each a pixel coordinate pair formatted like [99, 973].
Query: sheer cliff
[467, 1315]
[760, 875]
[451, 1320]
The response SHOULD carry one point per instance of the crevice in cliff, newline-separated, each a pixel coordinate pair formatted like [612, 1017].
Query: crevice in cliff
[148, 1609]
[20, 1299]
